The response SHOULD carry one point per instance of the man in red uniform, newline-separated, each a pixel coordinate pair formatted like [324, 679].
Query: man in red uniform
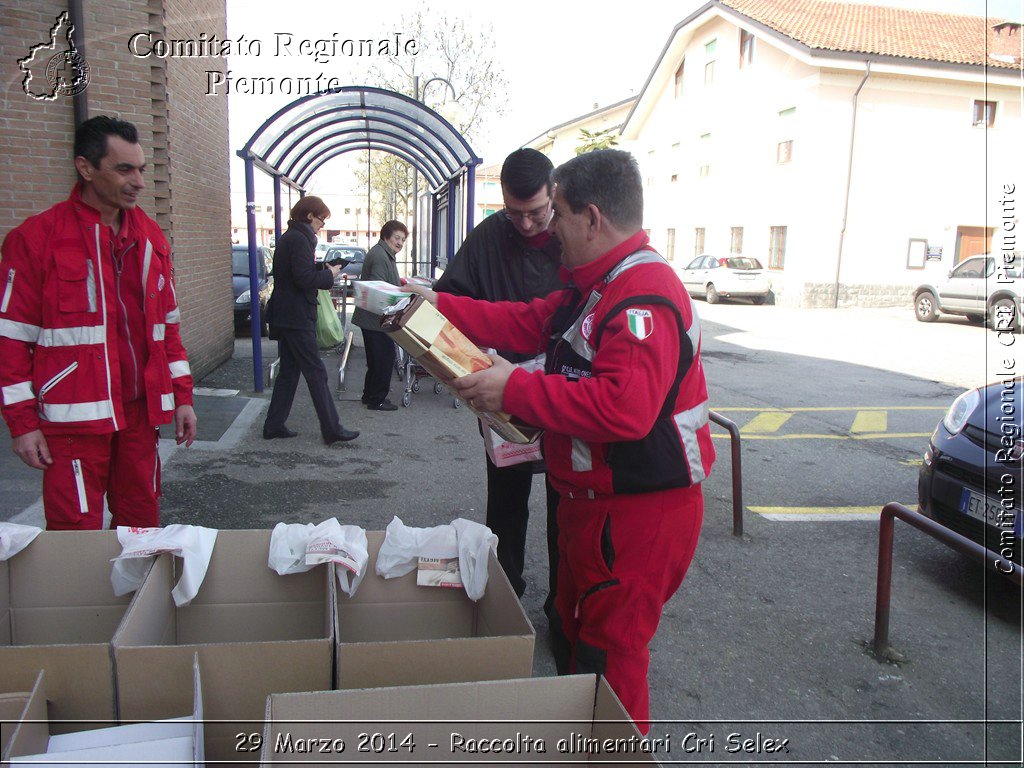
[624, 404]
[91, 359]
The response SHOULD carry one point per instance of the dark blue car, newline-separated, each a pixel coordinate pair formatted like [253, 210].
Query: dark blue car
[240, 284]
[972, 478]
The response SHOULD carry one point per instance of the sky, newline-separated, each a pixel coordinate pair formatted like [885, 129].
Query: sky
[559, 59]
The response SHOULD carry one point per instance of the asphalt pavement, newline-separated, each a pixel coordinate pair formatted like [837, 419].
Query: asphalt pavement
[767, 638]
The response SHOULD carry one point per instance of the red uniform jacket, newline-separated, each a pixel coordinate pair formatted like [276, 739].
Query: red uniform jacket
[632, 369]
[59, 368]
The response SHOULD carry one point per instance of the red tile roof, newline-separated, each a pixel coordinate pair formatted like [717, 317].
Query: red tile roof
[870, 29]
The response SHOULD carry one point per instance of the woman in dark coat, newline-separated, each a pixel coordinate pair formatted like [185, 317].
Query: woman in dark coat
[291, 313]
[380, 264]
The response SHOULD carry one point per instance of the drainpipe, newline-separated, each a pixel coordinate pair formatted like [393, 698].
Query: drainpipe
[80, 101]
[849, 180]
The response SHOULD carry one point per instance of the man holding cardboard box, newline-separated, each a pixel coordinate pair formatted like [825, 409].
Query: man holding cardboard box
[513, 256]
[624, 403]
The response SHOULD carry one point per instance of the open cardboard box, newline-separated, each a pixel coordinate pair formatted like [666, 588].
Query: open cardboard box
[394, 632]
[512, 719]
[446, 354]
[255, 633]
[174, 742]
[58, 613]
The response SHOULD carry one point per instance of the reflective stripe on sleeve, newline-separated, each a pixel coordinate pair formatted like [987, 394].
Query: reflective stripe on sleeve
[180, 368]
[174, 316]
[688, 423]
[582, 460]
[158, 331]
[11, 329]
[62, 413]
[18, 393]
[71, 337]
[167, 402]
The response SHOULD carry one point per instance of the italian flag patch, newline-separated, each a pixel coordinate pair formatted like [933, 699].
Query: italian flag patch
[641, 322]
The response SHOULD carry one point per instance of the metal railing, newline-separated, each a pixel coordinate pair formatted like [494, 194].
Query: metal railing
[737, 470]
[883, 595]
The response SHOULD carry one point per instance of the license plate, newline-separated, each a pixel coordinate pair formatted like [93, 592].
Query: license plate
[747, 277]
[986, 509]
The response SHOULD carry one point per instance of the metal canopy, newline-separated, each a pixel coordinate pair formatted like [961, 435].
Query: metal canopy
[301, 137]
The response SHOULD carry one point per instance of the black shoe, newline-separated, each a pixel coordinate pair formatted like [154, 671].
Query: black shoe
[270, 434]
[342, 437]
[385, 405]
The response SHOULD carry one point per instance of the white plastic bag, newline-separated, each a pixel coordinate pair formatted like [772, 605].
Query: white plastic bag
[15, 537]
[296, 548]
[469, 541]
[192, 543]
[400, 550]
[475, 540]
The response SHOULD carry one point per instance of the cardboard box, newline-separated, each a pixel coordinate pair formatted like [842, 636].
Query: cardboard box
[513, 720]
[58, 613]
[176, 742]
[376, 295]
[255, 633]
[504, 453]
[446, 354]
[394, 632]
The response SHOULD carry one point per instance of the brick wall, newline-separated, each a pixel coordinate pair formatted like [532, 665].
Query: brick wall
[183, 134]
[198, 152]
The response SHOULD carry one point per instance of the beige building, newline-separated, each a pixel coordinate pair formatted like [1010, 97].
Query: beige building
[560, 142]
[843, 145]
[184, 134]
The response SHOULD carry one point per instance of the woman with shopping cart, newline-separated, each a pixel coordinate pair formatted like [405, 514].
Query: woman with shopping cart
[380, 264]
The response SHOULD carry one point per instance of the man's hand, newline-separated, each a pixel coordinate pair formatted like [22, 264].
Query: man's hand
[184, 425]
[32, 449]
[421, 290]
[484, 390]
[335, 269]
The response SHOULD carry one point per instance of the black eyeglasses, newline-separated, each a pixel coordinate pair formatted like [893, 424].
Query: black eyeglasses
[537, 215]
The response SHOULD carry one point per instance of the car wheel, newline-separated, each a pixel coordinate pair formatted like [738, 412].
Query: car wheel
[1003, 315]
[758, 299]
[924, 307]
[711, 294]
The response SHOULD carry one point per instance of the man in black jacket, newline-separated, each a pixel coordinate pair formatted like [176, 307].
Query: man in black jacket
[512, 255]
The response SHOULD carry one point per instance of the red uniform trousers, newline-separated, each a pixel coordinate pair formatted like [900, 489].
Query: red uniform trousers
[622, 558]
[124, 465]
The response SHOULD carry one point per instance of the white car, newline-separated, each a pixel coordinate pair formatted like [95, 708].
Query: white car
[973, 288]
[716, 278]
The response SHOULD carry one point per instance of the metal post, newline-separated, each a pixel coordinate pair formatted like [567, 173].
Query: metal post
[451, 221]
[470, 197]
[277, 209]
[737, 470]
[883, 592]
[254, 277]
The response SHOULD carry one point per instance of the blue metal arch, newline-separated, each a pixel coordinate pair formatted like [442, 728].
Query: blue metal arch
[435, 167]
[354, 145]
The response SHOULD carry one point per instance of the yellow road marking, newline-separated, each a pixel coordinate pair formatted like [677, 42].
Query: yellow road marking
[870, 421]
[768, 421]
[811, 514]
[865, 436]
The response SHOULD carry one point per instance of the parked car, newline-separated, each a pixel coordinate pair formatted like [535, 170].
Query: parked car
[240, 284]
[973, 288]
[353, 258]
[716, 278]
[963, 481]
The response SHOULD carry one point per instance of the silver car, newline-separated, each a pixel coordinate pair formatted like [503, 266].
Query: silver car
[978, 288]
[736, 276]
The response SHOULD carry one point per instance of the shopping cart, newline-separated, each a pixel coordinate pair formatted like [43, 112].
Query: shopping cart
[410, 372]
